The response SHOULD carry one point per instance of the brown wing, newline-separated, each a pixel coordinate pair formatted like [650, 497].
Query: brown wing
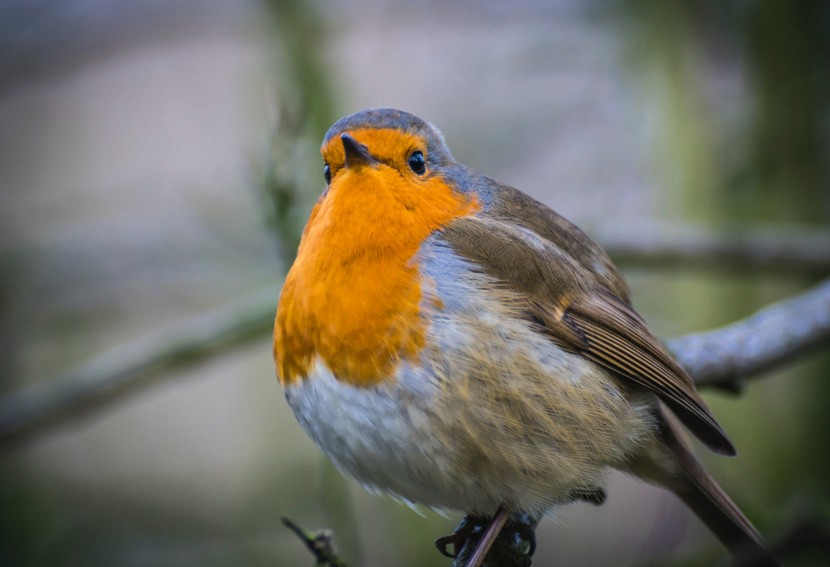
[514, 207]
[584, 316]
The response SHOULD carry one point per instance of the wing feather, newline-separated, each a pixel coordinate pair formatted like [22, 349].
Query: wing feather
[582, 315]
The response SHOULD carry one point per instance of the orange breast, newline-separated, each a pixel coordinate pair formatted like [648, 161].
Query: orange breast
[353, 296]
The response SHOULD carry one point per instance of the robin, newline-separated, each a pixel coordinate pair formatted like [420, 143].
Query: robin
[453, 342]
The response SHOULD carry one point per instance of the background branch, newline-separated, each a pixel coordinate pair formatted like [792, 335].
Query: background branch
[716, 358]
[127, 368]
[775, 249]
[770, 337]
[319, 543]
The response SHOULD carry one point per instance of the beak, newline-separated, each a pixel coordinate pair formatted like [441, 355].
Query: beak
[356, 153]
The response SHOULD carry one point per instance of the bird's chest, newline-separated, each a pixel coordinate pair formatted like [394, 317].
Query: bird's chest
[354, 296]
[489, 411]
[361, 315]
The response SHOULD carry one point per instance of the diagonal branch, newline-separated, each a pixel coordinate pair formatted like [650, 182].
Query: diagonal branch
[716, 358]
[772, 336]
[121, 370]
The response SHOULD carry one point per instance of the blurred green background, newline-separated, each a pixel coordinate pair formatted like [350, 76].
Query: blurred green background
[158, 159]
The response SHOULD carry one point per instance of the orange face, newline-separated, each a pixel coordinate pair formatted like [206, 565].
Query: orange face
[352, 299]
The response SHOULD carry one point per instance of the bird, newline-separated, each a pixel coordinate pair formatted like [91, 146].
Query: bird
[452, 342]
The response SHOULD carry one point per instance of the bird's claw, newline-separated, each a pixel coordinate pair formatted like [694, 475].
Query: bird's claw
[469, 525]
[524, 528]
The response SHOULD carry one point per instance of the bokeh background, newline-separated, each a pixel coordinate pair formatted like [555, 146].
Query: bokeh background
[157, 160]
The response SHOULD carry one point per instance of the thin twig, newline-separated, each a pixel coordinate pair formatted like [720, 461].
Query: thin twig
[511, 545]
[487, 540]
[319, 543]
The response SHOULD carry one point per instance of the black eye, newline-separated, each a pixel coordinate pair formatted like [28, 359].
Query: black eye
[327, 173]
[417, 163]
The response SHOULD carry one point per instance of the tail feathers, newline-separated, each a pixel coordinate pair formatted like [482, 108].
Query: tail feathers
[702, 494]
[727, 522]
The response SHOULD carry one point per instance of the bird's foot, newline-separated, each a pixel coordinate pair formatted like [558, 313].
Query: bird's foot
[475, 535]
[523, 528]
[469, 526]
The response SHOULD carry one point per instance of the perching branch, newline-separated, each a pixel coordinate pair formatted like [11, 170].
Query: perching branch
[794, 249]
[510, 548]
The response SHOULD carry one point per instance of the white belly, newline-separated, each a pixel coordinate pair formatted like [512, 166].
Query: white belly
[494, 413]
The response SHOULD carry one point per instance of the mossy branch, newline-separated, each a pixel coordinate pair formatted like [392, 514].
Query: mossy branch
[319, 543]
